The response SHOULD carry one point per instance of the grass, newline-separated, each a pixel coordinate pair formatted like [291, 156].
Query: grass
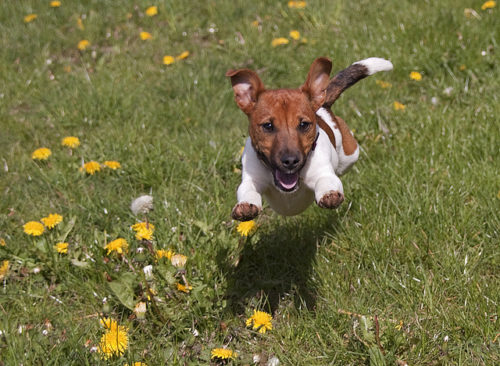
[406, 270]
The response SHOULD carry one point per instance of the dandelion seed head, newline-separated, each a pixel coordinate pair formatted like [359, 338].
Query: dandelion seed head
[142, 205]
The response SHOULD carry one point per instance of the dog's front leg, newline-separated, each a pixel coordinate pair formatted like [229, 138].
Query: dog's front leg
[254, 177]
[249, 201]
[328, 191]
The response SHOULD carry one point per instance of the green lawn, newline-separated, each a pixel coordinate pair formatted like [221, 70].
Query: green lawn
[405, 271]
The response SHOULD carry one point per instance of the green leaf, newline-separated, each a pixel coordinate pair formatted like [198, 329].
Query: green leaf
[123, 288]
[81, 264]
[367, 330]
[376, 356]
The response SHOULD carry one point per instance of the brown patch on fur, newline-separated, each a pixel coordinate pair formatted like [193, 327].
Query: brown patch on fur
[324, 126]
[343, 80]
[349, 143]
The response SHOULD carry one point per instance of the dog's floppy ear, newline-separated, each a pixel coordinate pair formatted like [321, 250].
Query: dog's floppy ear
[246, 86]
[317, 81]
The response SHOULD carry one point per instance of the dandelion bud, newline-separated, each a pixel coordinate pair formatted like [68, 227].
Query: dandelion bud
[178, 260]
[140, 310]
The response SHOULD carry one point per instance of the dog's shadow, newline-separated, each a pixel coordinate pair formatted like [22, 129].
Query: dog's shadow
[276, 265]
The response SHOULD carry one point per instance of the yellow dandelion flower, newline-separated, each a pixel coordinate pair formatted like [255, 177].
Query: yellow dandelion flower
[119, 245]
[52, 220]
[2, 242]
[30, 17]
[144, 233]
[113, 343]
[246, 228]
[111, 164]
[383, 84]
[55, 4]
[184, 288]
[145, 36]
[4, 268]
[462, 67]
[79, 24]
[399, 325]
[415, 75]
[152, 11]
[255, 23]
[183, 55]
[137, 364]
[91, 167]
[142, 225]
[109, 324]
[488, 5]
[33, 228]
[279, 41]
[223, 354]
[294, 34]
[61, 248]
[70, 141]
[178, 260]
[42, 153]
[162, 253]
[168, 60]
[297, 4]
[260, 320]
[399, 106]
[83, 45]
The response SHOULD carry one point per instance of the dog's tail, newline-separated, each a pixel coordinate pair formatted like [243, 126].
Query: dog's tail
[354, 73]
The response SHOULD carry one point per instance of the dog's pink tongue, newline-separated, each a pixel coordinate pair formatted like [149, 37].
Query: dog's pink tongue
[288, 181]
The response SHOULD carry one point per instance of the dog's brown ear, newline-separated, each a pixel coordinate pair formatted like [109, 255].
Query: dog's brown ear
[317, 81]
[246, 86]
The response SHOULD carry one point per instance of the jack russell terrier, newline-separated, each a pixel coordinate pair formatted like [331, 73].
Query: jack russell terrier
[297, 147]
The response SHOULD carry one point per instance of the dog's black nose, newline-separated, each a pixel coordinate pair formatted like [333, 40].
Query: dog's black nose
[290, 161]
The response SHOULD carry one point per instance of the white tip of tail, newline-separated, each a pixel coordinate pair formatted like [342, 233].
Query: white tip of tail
[375, 64]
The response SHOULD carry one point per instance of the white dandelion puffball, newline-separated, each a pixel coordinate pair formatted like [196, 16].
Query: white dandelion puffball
[142, 205]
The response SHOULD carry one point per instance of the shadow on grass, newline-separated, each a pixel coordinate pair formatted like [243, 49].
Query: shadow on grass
[277, 264]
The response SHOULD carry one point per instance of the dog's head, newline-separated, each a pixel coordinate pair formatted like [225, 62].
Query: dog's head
[282, 121]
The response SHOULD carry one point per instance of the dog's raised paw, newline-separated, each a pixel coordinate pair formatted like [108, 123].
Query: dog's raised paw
[245, 211]
[331, 199]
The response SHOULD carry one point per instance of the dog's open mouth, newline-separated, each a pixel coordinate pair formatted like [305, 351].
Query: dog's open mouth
[286, 182]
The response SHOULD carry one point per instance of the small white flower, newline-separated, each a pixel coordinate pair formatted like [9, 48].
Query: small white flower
[93, 349]
[448, 90]
[273, 361]
[36, 270]
[139, 250]
[256, 358]
[142, 205]
[195, 332]
[148, 272]
[446, 338]
[45, 332]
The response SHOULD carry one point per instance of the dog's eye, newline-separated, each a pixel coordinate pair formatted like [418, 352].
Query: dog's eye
[268, 127]
[304, 125]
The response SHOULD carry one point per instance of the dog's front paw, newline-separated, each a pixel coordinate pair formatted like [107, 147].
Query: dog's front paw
[245, 211]
[331, 199]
